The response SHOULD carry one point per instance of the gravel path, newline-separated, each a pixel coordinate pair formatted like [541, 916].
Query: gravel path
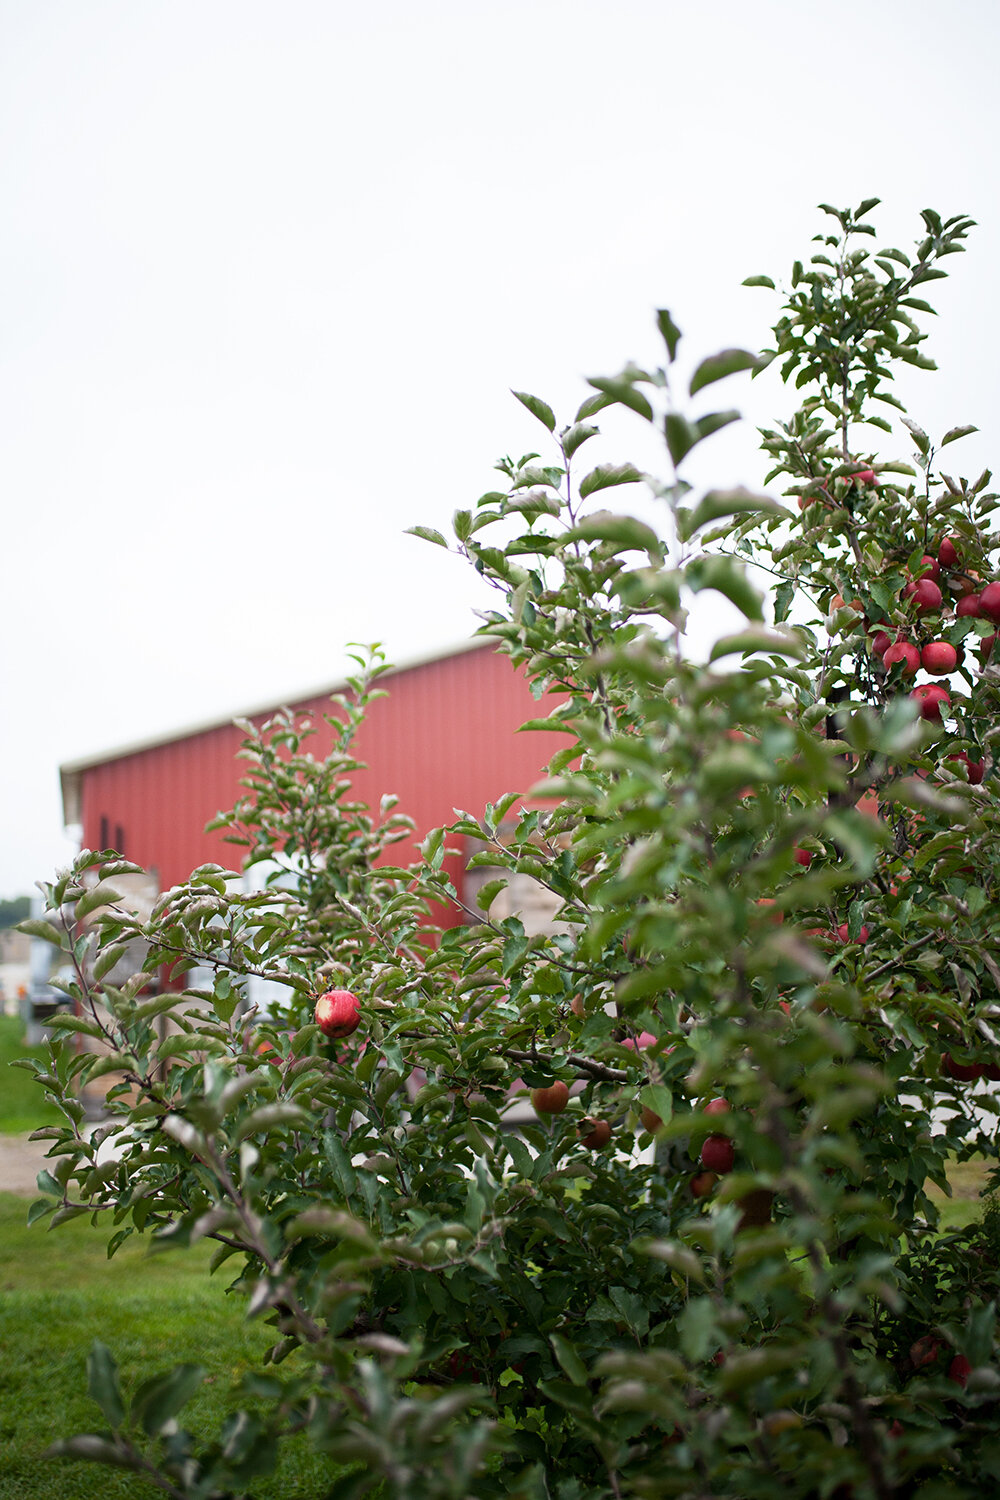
[20, 1162]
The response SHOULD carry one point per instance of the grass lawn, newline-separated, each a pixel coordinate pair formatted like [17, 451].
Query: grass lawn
[60, 1292]
[23, 1106]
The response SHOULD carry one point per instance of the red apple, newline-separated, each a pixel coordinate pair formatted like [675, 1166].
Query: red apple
[338, 1013]
[969, 607]
[932, 568]
[930, 697]
[803, 858]
[925, 594]
[904, 652]
[989, 603]
[964, 1072]
[880, 642]
[843, 934]
[552, 1100]
[718, 1154]
[597, 1134]
[959, 1370]
[717, 1106]
[650, 1120]
[640, 1043]
[939, 658]
[702, 1184]
[974, 769]
[986, 647]
[925, 1351]
[947, 553]
[864, 478]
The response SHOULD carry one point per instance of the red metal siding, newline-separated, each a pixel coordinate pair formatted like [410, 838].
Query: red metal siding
[445, 737]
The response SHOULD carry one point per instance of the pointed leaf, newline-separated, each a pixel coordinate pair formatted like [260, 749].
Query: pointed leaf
[954, 433]
[606, 475]
[538, 408]
[718, 366]
[671, 333]
[102, 1383]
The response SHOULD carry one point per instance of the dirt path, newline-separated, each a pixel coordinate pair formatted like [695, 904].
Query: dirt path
[20, 1162]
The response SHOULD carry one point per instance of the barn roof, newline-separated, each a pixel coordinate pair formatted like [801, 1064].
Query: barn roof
[71, 772]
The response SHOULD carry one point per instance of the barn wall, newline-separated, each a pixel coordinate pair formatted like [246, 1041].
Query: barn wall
[445, 737]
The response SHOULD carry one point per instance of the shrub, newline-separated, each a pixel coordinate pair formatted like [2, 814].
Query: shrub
[768, 863]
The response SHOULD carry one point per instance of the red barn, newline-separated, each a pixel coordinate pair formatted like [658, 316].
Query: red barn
[445, 737]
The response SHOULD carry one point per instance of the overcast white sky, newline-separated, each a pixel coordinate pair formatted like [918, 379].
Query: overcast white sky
[268, 271]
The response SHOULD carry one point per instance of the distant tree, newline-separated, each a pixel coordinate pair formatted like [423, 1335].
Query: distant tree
[14, 910]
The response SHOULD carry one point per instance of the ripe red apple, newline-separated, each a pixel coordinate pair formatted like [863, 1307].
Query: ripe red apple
[925, 594]
[880, 643]
[974, 769]
[717, 1106]
[863, 478]
[803, 857]
[702, 1184]
[640, 1043]
[552, 1100]
[931, 567]
[989, 603]
[718, 1154]
[986, 647]
[904, 652]
[969, 607]
[843, 934]
[338, 1013]
[964, 1072]
[992, 1072]
[929, 697]
[959, 1370]
[947, 553]
[595, 1134]
[939, 658]
[650, 1119]
[925, 1351]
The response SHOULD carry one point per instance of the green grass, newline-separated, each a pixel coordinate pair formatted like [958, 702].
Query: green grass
[23, 1106]
[58, 1292]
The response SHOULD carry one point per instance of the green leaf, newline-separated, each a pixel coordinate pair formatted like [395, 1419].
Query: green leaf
[759, 281]
[537, 408]
[718, 366]
[781, 643]
[574, 437]
[671, 333]
[34, 927]
[567, 1356]
[624, 392]
[718, 503]
[102, 894]
[158, 1401]
[728, 577]
[89, 1445]
[606, 475]
[658, 1098]
[428, 534]
[102, 1383]
[269, 1117]
[681, 436]
[624, 532]
[954, 433]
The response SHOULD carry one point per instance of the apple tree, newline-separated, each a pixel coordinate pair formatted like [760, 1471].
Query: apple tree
[761, 1028]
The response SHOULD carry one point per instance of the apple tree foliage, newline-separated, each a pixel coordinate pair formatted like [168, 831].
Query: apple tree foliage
[776, 885]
